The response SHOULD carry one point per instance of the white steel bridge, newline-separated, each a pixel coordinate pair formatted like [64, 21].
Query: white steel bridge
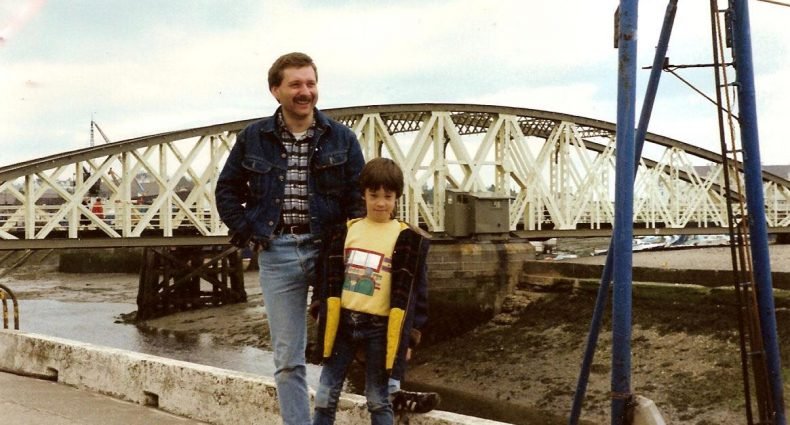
[557, 170]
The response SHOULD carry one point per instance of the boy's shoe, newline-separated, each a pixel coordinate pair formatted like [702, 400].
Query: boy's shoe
[415, 402]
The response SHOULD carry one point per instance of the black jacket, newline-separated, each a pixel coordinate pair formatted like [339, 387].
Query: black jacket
[409, 296]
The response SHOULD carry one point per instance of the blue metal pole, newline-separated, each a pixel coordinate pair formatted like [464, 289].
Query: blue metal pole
[623, 232]
[606, 277]
[758, 228]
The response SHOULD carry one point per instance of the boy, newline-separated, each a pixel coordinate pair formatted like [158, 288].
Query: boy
[373, 290]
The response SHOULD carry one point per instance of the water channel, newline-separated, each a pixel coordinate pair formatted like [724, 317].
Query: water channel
[96, 323]
[99, 323]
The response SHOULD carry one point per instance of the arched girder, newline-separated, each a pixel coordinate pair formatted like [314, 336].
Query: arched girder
[398, 117]
[555, 167]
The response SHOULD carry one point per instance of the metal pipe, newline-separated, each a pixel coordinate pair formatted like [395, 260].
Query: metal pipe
[6, 292]
[592, 339]
[606, 276]
[758, 229]
[622, 235]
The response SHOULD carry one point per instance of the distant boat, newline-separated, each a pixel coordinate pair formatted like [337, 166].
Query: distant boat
[706, 240]
[646, 243]
[654, 243]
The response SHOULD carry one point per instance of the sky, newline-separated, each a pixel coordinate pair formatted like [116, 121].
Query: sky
[140, 67]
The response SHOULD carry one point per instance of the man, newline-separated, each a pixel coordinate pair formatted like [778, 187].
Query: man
[288, 178]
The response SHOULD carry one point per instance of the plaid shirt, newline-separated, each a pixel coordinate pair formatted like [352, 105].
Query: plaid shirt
[295, 206]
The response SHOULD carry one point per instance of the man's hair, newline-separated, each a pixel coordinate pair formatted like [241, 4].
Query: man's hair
[289, 60]
[382, 173]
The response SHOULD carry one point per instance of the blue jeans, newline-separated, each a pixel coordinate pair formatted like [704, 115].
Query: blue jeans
[369, 332]
[286, 269]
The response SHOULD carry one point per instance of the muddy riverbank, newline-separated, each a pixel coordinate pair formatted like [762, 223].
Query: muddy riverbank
[524, 362]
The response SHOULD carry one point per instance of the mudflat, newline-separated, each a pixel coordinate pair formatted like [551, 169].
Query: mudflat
[525, 361]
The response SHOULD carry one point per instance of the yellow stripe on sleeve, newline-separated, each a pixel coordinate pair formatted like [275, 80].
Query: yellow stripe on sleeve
[332, 322]
[394, 327]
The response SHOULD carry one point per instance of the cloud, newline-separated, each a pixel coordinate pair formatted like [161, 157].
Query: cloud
[154, 67]
[576, 99]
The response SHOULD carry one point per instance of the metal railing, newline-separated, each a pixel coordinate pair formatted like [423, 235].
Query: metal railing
[5, 293]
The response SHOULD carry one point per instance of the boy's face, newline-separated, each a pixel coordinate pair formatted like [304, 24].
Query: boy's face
[380, 204]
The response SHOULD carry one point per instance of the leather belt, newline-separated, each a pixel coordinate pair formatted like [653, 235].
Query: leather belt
[292, 229]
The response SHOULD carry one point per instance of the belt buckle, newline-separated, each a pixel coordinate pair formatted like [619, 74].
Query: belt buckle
[291, 229]
[288, 229]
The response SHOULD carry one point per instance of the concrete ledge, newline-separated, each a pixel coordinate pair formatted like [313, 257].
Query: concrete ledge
[701, 277]
[205, 393]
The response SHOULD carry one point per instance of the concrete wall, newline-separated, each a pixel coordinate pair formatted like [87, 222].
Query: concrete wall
[205, 393]
[559, 274]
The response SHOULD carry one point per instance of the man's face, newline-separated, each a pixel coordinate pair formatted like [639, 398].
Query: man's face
[298, 92]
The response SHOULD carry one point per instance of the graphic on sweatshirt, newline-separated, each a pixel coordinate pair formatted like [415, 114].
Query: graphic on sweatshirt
[364, 271]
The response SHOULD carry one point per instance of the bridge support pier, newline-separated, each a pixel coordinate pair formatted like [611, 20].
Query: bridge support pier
[171, 279]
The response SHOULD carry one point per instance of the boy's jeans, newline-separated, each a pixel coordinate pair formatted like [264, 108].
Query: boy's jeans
[286, 269]
[369, 332]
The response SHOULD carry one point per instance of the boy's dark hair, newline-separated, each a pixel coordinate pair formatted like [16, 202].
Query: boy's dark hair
[289, 60]
[382, 173]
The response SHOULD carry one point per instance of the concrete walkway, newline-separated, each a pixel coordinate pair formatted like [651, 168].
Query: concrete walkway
[31, 401]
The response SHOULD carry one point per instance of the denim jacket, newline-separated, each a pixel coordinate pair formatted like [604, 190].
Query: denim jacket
[251, 186]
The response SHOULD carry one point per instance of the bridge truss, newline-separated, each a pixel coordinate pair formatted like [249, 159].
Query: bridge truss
[556, 169]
